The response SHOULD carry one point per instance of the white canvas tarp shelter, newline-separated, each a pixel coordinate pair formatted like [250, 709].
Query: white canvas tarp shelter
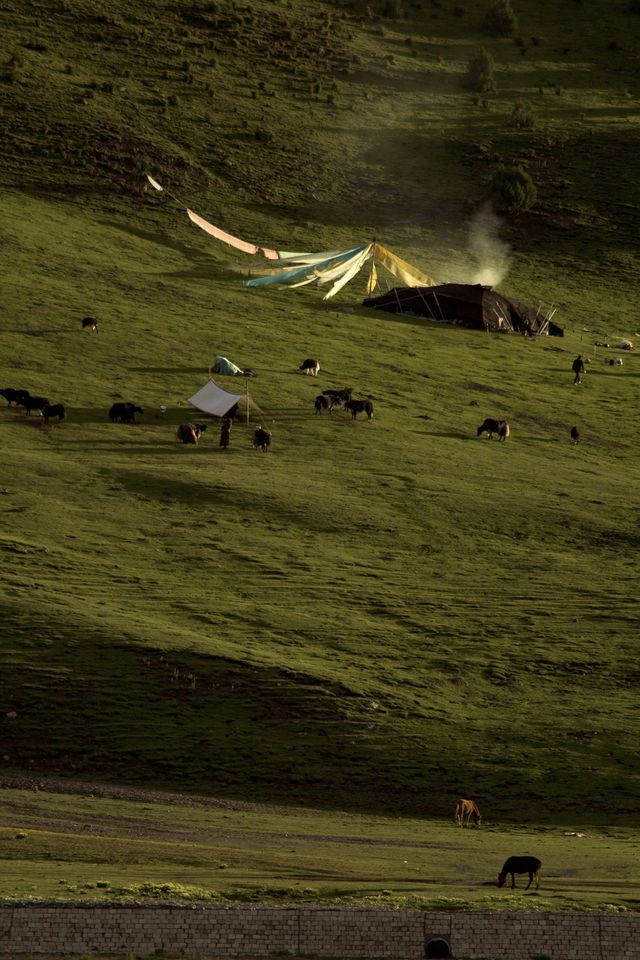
[214, 400]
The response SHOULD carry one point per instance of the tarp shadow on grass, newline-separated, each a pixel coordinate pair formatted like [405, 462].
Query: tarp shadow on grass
[175, 488]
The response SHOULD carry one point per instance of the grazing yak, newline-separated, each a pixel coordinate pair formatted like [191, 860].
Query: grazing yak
[468, 809]
[54, 410]
[340, 396]
[501, 427]
[14, 396]
[124, 411]
[310, 366]
[360, 406]
[513, 865]
[34, 403]
[323, 402]
[190, 432]
[261, 439]
[90, 323]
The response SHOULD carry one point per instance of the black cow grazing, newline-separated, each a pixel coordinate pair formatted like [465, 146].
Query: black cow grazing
[124, 411]
[34, 403]
[91, 323]
[54, 410]
[575, 435]
[513, 865]
[360, 406]
[261, 439]
[14, 396]
[501, 427]
[190, 432]
[310, 366]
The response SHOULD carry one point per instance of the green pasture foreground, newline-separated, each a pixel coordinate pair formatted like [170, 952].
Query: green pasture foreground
[377, 614]
[57, 846]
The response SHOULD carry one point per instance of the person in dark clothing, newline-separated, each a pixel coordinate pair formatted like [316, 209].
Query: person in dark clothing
[578, 368]
[225, 432]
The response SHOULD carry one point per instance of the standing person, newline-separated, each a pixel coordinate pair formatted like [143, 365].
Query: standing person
[225, 431]
[578, 368]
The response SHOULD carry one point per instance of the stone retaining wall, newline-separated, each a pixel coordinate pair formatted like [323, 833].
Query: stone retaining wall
[262, 931]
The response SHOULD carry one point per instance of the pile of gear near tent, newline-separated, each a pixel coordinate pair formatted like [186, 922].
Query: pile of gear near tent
[471, 305]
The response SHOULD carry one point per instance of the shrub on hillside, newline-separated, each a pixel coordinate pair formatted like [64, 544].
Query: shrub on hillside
[522, 116]
[392, 10]
[512, 189]
[500, 20]
[479, 76]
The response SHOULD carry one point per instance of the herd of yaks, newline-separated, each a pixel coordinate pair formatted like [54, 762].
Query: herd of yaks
[467, 810]
[125, 411]
[41, 405]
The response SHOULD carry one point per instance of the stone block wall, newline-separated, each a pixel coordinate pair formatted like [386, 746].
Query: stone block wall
[239, 931]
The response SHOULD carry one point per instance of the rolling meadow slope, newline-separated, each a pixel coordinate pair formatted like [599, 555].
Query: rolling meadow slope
[373, 615]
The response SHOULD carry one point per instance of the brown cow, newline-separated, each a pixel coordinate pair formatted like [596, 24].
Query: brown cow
[468, 809]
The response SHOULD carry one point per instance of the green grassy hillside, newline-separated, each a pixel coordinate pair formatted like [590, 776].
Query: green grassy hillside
[378, 615]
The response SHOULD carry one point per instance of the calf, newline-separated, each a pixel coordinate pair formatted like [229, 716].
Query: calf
[261, 439]
[311, 366]
[575, 435]
[124, 412]
[190, 432]
[34, 403]
[54, 410]
[91, 323]
[513, 865]
[501, 427]
[360, 406]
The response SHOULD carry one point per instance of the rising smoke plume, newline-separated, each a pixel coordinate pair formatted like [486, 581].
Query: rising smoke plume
[490, 252]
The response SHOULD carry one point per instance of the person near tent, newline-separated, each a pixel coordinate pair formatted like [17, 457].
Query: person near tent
[225, 432]
[578, 368]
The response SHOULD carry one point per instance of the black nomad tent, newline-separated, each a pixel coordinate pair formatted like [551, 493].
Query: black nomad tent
[470, 305]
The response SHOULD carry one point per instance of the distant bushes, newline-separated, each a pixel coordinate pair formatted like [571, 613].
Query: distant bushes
[500, 20]
[479, 76]
[512, 189]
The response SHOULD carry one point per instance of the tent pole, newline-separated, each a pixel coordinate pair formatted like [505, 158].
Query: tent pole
[246, 396]
[427, 304]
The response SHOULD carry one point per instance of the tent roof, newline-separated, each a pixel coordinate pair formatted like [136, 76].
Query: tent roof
[214, 400]
[472, 305]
